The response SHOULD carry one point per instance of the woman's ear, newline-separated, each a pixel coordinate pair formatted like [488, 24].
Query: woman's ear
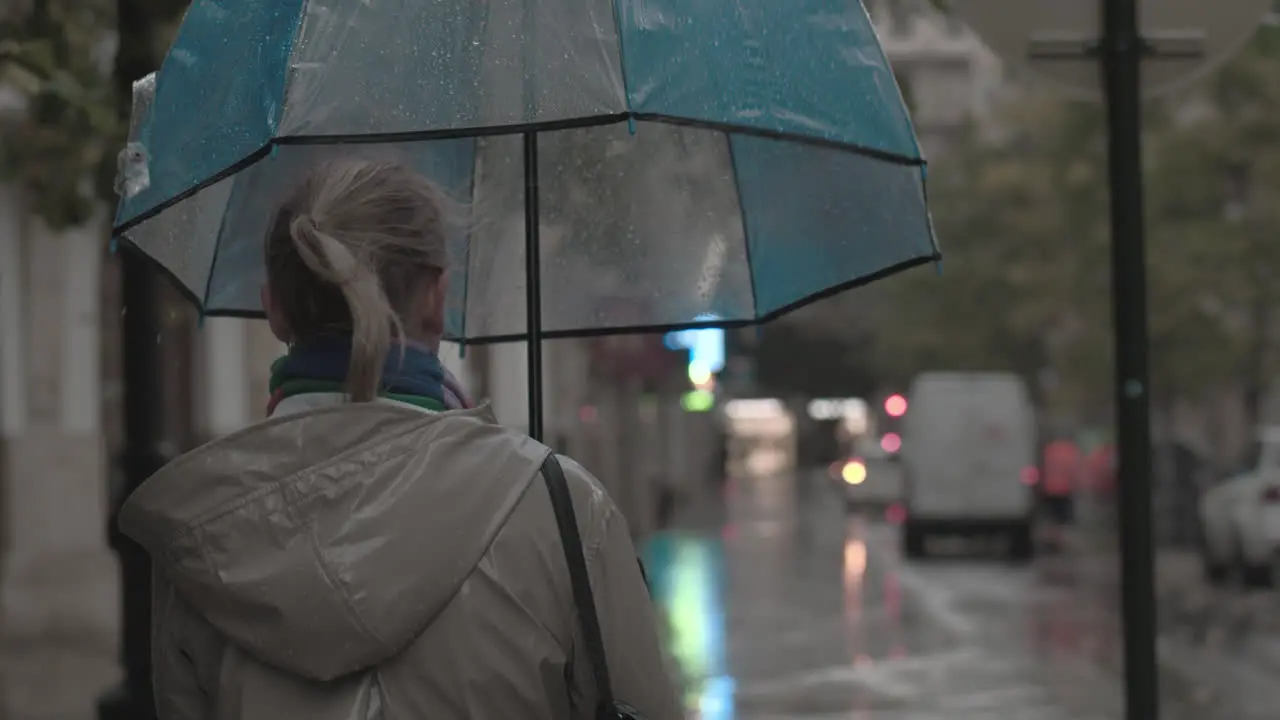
[275, 320]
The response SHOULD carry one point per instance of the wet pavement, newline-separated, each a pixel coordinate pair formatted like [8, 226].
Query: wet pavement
[779, 611]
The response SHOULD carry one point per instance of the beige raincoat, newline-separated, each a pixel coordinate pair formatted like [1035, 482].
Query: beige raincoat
[377, 562]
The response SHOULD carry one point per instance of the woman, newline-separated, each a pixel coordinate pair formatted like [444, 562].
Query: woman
[369, 552]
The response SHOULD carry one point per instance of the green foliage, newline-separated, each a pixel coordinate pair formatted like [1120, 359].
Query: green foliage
[57, 57]
[1023, 223]
[61, 145]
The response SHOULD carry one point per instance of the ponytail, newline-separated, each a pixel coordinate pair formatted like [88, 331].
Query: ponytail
[372, 317]
[352, 250]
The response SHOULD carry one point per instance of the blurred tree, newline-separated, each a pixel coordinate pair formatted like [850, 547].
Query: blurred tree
[61, 138]
[1023, 225]
[792, 360]
[64, 129]
[1019, 224]
[1215, 188]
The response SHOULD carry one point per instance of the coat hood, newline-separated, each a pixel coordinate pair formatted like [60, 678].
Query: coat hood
[326, 541]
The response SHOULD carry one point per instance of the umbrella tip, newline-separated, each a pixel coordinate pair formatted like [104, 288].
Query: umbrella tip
[631, 125]
[113, 246]
[937, 266]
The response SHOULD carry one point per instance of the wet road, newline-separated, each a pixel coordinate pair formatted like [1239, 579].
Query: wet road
[779, 611]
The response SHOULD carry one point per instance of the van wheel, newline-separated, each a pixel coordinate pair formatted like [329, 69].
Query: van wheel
[913, 537]
[1256, 577]
[1021, 543]
[1251, 576]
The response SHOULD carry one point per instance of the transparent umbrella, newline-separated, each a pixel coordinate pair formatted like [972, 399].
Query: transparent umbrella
[628, 166]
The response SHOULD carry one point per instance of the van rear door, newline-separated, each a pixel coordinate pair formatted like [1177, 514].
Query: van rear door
[1002, 426]
[935, 448]
[968, 441]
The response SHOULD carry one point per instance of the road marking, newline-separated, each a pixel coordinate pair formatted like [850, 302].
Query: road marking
[883, 677]
[939, 601]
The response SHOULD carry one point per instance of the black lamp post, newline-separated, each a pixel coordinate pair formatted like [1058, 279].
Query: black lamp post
[143, 410]
[1123, 49]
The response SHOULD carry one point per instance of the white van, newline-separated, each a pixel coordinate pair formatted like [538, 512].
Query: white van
[969, 460]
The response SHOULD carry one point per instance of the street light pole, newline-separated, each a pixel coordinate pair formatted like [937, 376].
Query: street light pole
[143, 393]
[1122, 53]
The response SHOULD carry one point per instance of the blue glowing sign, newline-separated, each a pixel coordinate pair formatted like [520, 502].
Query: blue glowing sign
[705, 346]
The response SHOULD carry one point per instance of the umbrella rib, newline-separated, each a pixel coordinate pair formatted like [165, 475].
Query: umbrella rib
[596, 121]
[746, 234]
[244, 164]
[466, 262]
[551, 126]
[629, 329]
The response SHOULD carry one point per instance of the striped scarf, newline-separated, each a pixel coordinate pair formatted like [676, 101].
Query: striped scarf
[320, 366]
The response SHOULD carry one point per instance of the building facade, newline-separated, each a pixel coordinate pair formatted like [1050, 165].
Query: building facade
[948, 77]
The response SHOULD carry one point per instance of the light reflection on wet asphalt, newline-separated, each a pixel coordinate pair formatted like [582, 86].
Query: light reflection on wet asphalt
[774, 612]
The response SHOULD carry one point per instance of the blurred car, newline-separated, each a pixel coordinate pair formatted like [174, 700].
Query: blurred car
[871, 479]
[1240, 520]
[969, 459]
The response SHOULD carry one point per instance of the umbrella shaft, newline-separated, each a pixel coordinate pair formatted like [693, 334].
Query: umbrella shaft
[533, 283]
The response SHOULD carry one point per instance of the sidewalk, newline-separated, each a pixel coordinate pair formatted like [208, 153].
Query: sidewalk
[1217, 644]
[54, 678]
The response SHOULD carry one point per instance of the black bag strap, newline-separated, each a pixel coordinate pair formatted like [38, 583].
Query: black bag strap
[571, 540]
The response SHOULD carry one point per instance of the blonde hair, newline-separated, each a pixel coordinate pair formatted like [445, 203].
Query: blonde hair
[351, 250]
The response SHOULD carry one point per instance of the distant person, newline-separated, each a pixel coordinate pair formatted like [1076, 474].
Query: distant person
[375, 549]
[1101, 469]
[1063, 469]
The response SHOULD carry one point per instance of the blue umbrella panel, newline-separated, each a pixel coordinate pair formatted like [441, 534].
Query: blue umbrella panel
[698, 158]
[635, 165]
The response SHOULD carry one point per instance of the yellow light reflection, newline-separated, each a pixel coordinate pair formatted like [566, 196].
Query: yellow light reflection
[855, 561]
[854, 472]
[855, 565]
[699, 375]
